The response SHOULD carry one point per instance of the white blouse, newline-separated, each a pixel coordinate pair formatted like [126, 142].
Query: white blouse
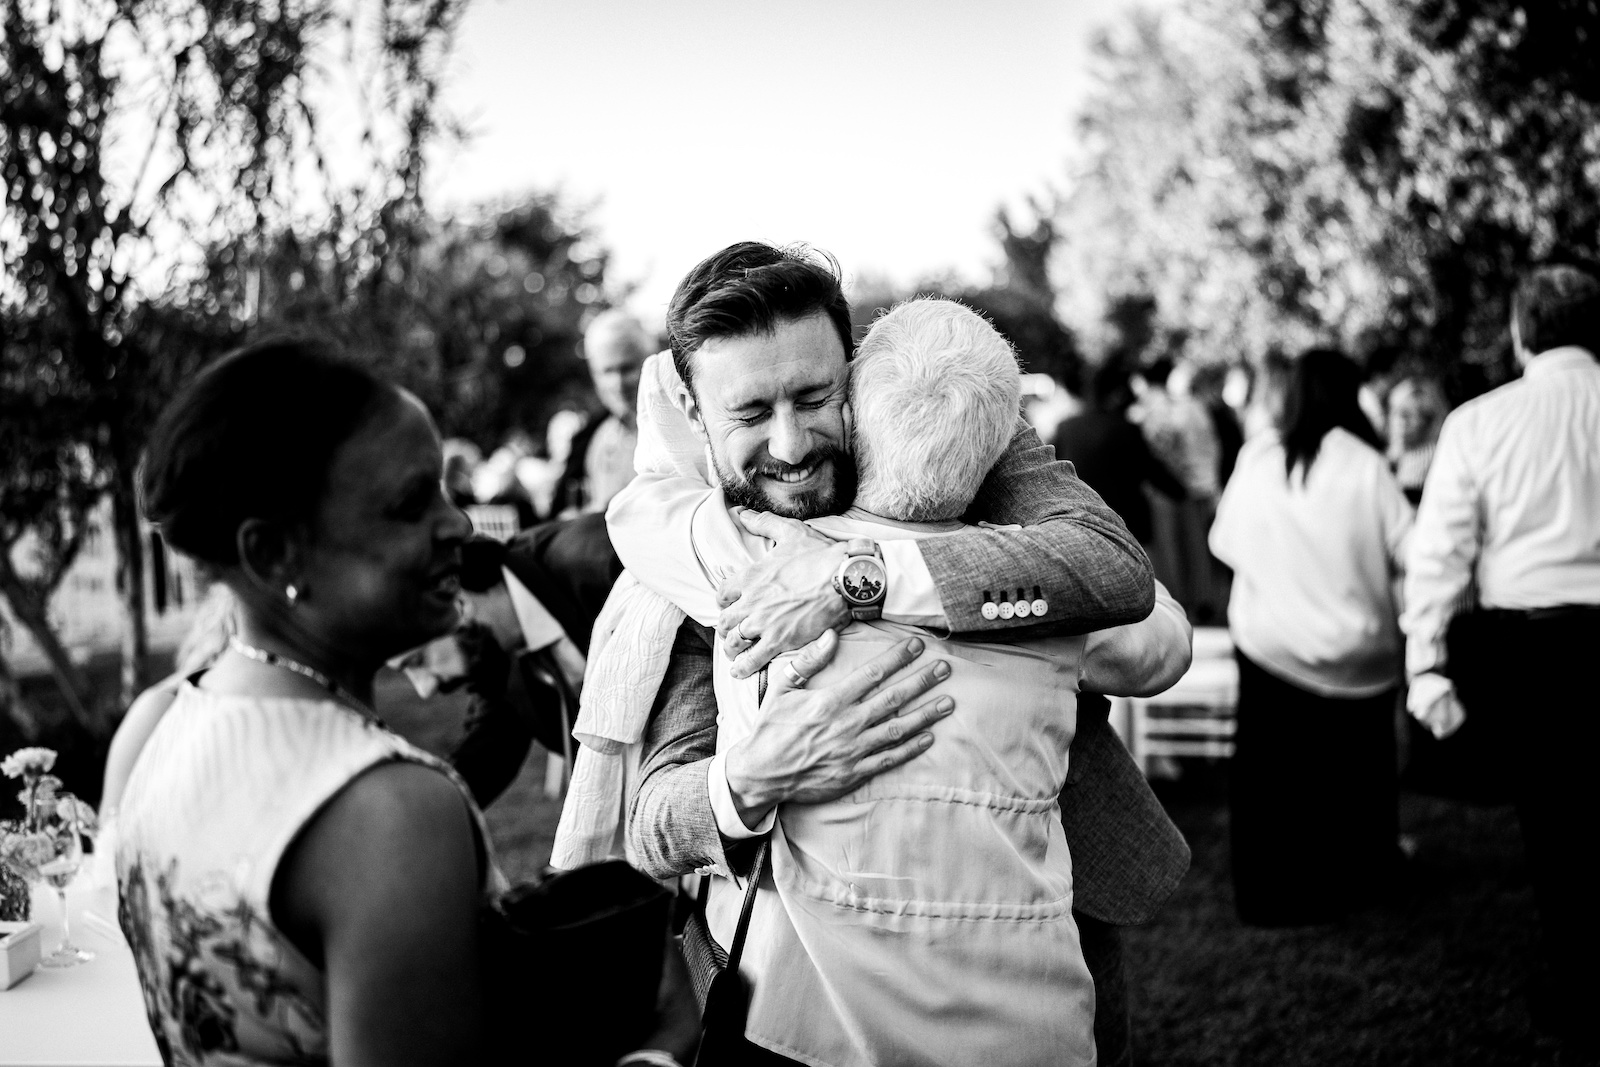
[1315, 563]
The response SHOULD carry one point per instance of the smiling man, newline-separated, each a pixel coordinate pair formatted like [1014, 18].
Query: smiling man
[761, 340]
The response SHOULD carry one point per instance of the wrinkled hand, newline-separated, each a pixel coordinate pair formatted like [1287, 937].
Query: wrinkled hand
[812, 745]
[784, 600]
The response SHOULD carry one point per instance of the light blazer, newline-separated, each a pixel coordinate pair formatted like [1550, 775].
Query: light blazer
[1127, 855]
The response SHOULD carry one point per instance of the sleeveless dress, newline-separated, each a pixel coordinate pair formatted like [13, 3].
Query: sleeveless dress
[926, 918]
[221, 789]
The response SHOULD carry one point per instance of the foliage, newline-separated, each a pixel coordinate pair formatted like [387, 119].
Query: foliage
[235, 112]
[1370, 173]
[480, 317]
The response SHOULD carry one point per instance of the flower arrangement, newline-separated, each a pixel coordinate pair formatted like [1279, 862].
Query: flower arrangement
[48, 813]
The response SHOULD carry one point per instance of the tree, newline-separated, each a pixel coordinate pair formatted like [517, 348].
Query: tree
[228, 101]
[1370, 173]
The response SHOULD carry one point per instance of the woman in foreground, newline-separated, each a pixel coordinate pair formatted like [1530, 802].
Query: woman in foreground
[300, 884]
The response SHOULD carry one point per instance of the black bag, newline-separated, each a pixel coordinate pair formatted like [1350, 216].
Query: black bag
[722, 992]
[580, 954]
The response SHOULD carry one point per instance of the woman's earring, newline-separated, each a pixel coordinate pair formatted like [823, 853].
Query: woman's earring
[292, 593]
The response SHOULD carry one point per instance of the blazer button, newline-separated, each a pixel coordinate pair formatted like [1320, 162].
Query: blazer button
[1022, 609]
[989, 610]
[1007, 609]
[1040, 607]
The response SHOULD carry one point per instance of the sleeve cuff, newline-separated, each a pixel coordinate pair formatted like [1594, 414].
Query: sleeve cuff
[913, 598]
[727, 814]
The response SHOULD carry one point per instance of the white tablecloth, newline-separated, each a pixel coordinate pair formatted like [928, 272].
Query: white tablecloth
[91, 1015]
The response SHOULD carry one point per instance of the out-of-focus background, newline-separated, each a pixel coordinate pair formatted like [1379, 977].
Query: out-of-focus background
[1160, 195]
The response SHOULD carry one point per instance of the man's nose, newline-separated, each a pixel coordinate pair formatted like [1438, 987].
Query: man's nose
[790, 441]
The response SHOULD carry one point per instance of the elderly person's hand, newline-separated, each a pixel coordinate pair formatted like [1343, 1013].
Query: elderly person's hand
[819, 744]
[785, 599]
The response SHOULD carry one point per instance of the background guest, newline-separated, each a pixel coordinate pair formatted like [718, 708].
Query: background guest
[601, 462]
[1510, 526]
[1416, 408]
[1312, 524]
[1110, 453]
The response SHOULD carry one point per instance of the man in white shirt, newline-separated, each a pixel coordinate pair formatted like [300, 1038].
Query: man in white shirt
[1510, 524]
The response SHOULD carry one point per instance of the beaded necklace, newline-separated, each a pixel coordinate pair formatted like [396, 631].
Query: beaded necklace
[339, 693]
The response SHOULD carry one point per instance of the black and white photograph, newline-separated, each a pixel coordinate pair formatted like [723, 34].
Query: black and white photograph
[893, 533]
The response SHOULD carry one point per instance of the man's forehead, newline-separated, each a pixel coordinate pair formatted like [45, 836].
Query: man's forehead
[794, 358]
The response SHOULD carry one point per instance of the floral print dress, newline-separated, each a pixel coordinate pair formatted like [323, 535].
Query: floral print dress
[222, 788]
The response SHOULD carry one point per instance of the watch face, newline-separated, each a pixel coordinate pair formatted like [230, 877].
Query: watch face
[862, 581]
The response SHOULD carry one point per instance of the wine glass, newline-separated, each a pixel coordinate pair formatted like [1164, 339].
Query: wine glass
[59, 871]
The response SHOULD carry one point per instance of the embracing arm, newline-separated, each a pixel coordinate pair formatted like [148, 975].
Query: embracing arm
[1143, 658]
[1089, 569]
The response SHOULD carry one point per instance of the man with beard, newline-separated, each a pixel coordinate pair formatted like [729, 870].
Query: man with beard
[761, 339]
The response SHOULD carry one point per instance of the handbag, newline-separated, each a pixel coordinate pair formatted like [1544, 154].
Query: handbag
[580, 953]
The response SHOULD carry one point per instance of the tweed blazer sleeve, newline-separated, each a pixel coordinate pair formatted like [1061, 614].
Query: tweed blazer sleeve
[671, 828]
[1074, 549]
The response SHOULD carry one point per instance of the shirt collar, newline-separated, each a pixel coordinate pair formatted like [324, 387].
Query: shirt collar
[1567, 357]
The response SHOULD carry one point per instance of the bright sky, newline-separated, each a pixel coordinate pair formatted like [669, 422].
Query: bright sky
[884, 131]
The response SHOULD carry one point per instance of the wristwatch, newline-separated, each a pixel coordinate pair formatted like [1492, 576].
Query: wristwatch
[861, 579]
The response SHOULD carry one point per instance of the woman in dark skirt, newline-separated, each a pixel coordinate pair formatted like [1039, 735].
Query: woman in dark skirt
[1312, 524]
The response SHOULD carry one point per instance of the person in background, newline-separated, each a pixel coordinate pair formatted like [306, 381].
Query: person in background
[1416, 408]
[1264, 400]
[615, 346]
[1313, 524]
[1510, 525]
[1180, 434]
[1111, 455]
[1207, 386]
[461, 461]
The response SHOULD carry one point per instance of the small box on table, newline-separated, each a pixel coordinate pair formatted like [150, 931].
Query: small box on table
[19, 952]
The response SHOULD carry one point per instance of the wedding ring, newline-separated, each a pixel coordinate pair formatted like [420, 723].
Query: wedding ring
[796, 679]
[738, 631]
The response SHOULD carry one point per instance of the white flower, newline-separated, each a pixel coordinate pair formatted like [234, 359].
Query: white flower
[69, 809]
[29, 761]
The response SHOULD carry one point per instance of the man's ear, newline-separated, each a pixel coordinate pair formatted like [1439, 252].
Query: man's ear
[268, 555]
[689, 404]
[849, 427]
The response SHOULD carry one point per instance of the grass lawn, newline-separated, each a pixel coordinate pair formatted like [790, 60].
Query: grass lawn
[1434, 977]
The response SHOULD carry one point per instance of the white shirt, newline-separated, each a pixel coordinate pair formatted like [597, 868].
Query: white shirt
[1512, 504]
[1314, 564]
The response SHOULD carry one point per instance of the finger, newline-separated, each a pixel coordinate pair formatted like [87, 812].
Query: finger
[890, 758]
[806, 663]
[772, 527]
[729, 621]
[898, 728]
[755, 657]
[889, 700]
[728, 591]
[871, 674]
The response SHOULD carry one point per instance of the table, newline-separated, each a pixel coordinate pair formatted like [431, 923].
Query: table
[91, 1015]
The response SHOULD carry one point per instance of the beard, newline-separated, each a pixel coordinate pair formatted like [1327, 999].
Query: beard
[743, 489]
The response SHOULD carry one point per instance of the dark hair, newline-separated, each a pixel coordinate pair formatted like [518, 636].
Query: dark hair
[1112, 394]
[1555, 306]
[252, 437]
[751, 287]
[1323, 390]
[1157, 371]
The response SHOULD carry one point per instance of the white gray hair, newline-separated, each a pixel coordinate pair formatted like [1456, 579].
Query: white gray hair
[935, 390]
[616, 327]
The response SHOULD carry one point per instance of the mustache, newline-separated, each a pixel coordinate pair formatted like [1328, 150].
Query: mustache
[770, 467]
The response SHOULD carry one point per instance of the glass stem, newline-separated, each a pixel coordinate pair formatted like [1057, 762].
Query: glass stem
[66, 930]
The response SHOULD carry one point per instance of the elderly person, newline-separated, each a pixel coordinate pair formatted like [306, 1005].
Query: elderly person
[615, 347]
[298, 883]
[1312, 524]
[926, 917]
